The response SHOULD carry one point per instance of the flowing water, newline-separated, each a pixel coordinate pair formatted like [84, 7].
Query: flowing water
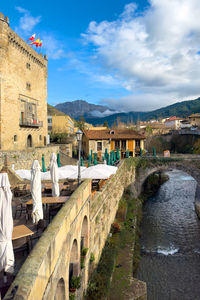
[170, 241]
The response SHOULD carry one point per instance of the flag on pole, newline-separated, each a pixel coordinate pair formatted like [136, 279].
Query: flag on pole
[40, 43]
[35, 42]
[32, 38]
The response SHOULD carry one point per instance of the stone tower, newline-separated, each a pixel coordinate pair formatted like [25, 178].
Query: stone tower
[23, 92]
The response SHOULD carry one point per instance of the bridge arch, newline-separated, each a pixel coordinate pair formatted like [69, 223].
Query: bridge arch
[73, 263]
[143, 174]
[84, 234]
[60, 290]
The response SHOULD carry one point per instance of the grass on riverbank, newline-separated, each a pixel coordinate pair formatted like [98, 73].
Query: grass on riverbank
[117, 256]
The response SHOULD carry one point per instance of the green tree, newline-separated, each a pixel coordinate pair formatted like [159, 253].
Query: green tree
[80, 123]
[105, 124]
[148, 130]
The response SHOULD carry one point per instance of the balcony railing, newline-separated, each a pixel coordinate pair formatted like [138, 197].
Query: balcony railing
[30, 123]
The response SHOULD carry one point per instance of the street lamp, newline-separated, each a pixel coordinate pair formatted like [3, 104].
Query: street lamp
[79, 134]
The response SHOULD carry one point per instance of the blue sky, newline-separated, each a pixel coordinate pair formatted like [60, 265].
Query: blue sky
[128, 55]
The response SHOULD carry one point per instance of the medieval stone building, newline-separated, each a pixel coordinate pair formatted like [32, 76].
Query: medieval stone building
[23, 92]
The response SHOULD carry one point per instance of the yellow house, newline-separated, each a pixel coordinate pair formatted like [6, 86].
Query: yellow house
[111, 139]
[62, 124]
[195, 119]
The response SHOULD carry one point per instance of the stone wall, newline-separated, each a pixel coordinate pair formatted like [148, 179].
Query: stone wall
[24, 159]
[104, 205]
[49, 261]
[23, 92]
[82, 217]
[87, 218]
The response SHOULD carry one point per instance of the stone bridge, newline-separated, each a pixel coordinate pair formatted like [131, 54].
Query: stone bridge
[190, 166]
[84, 221]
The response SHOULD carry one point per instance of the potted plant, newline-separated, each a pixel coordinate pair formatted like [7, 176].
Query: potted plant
[71, 296]
[92, 258]
[82, 262]
[83, 255]
[75, 283]
[115, 227]
[84, 252]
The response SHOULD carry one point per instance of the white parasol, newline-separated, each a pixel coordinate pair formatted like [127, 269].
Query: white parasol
[36, 192]
[6, 225]
[100, 171]
[54, 175]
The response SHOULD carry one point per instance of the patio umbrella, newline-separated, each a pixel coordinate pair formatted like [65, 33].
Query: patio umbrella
[118, 155]
[95, 159]
[58, 159]
[6, 225]
[114, 156]
[99, 171]
[154, 151]
[108, 160]
[91, 156]
[111, 158]
[54, 175]
[36, 193]
[127, 153]
[89, 160]
[43, 164]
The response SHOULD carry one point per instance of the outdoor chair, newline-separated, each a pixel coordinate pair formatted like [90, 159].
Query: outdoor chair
[40, 227]
[21, 245]
[29, 209]
[19, 207]
[53, 210]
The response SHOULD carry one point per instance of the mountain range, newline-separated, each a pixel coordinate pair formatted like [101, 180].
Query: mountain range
[78, 108]
[93, 113]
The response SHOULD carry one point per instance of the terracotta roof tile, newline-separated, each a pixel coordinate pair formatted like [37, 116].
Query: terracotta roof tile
[197, 115]
[114, 134]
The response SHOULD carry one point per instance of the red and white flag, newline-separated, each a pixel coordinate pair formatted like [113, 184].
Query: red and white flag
[32, 38]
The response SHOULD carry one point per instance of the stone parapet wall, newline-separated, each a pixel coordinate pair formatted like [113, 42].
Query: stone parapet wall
[84, 217]
[49, 260]
[24, 159]
[104, 205]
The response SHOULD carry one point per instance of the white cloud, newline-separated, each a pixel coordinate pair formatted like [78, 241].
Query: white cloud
[153, 54]
[54, 48]
[27, 23]
[87, 68]
[107, 112]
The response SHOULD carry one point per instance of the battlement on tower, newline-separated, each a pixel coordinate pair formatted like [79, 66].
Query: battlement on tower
[9, 38]
[4, 19]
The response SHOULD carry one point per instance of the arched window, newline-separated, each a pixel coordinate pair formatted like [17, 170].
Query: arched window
[29, 141]
[15, 138]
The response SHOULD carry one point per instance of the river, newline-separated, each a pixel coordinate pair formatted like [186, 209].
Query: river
[170, 241]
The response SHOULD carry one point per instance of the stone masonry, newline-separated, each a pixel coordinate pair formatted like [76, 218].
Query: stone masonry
[23, 92]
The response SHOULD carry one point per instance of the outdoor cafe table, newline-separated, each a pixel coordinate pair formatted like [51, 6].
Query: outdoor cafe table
[21, 231]
[50, 200]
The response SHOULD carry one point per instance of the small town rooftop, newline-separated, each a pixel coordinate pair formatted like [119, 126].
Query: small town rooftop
[114, 134]
[197, 115]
